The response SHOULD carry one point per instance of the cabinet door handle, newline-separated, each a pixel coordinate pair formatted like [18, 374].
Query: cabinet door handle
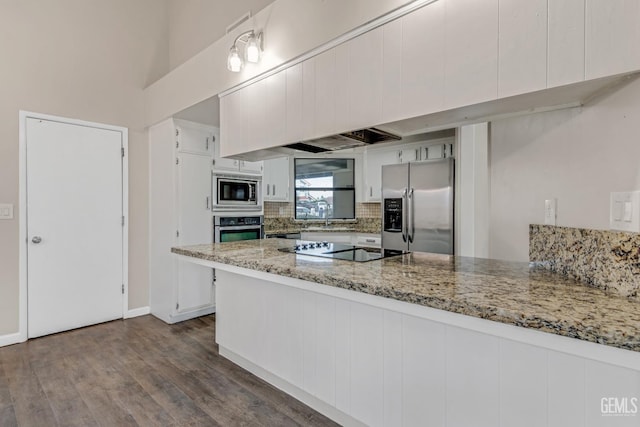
[274, 189]
[207, 202]
[267, 189]
[371, 191]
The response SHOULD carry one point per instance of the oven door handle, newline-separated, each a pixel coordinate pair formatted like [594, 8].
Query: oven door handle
[237, 227]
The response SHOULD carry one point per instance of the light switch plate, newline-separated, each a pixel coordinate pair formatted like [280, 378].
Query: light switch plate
[550, 211]
[6, 211]
[624, 211]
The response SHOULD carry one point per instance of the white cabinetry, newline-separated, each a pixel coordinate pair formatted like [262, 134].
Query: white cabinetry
[276, 180]
[522, 41]
[471, 52]
[565, 59]
[232, 165]
[374, 160]
[612, 37]
[179, 214]
[362, 358]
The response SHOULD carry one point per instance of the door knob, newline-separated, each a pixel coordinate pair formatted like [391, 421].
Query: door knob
[36, 239]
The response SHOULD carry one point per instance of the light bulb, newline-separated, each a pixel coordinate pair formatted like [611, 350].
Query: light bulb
[252, 50]
[234, 62]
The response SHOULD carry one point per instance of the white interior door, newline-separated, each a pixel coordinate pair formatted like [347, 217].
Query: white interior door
[74, 226]
[195, 284]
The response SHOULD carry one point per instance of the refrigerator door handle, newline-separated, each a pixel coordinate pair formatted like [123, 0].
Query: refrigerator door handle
[411, 222]
[405, 228]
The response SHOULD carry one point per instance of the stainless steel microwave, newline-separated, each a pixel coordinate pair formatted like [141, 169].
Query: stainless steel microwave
[236, 192]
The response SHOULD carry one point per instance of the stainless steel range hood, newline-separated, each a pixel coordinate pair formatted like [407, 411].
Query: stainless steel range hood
[356, 138]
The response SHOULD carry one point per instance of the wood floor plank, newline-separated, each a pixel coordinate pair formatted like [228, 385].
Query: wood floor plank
[138, 372]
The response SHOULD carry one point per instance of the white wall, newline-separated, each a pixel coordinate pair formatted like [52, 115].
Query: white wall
[84, 59]
[577, 155]
[195, 24]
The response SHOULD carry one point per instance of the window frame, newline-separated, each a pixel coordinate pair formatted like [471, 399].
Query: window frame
[333, 189]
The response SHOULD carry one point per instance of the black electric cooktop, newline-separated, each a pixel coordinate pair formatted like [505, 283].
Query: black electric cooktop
[339, 251]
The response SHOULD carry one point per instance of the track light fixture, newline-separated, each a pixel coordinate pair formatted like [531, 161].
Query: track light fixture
[252, 50]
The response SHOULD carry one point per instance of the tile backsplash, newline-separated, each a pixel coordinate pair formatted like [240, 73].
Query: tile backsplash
[604, 259]
[285, 210]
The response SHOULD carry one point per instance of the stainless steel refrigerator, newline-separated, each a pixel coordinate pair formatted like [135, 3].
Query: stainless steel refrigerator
[417, 206]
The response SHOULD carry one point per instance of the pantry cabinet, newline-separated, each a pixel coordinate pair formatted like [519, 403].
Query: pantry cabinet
[180, 166]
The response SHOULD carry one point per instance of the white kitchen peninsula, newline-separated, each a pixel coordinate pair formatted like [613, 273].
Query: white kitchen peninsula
[424, 339]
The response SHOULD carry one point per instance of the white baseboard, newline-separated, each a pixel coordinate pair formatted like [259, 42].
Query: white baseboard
[11, 339]
[137, 312]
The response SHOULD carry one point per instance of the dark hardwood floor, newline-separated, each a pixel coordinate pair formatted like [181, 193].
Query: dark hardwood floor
[138, 371]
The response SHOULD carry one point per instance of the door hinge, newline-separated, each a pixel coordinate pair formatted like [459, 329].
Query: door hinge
[177, 132]
[177, 233]
[213, 276]
[177, 306]
[123, 220]
[122, 151]
[177, 161]
[177, 144]
[207, 144]
[123, 289]
[213, 162]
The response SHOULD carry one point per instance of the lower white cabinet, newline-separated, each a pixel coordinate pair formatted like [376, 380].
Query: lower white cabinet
[179, 214]
[344, 354]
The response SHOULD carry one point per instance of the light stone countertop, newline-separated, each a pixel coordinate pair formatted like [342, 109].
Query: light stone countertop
[514, 293]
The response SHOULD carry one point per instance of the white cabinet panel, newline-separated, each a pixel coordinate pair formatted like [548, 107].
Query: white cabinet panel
[522, 55]
[473, 386]
[309, 343]
[309, 98]
[407, 155]
[523, 385]
[566, 399]
[365, 79]
[251, 167]
[256, 105]
[194, 139]
[392, 369]
[374, 160]
[423, 59]
[343, 352]
[343, 88]
[392, 71]
[275, 181]
[367, 364]
[608, 381]
[275, 111]
[325, 98]
[612, 37]
[325, 349]
[295, 336]
[233, 132]
[329, 237]
[293, 109]
[423, 381]
[277, 358]
[471, 52]
[565, 61]
[195, 282]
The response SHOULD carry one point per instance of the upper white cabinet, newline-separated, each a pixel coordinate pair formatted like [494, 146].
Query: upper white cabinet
[423, 60]
[231, 165]
[446, 55]
[565, 61]
[194, 138]
[612, 37]
[364, 86]
[522, 42]
[374, 160]
[294, 105]
[471, 52]
[276, 180]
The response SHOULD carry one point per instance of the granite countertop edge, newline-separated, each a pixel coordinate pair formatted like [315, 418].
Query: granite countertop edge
[584, 327]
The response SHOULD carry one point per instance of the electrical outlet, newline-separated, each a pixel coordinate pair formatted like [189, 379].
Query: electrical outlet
[550, 211]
